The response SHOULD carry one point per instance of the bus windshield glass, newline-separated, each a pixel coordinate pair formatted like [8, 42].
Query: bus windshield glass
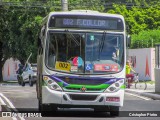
[85, 53]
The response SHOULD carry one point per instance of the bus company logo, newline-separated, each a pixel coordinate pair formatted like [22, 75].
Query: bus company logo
[83, 89]
[6, 114]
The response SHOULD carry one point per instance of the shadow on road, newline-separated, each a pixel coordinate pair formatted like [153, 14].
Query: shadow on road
[67, 113]
[76, 114]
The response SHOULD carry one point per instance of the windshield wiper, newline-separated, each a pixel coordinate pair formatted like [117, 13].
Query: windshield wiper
[72, 36]
[101, 44]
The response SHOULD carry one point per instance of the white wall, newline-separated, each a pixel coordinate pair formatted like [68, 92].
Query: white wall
[141, 58]
[9, 69]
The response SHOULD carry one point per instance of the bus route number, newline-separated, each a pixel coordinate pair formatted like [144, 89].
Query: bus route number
[68, 22]
[63, 66]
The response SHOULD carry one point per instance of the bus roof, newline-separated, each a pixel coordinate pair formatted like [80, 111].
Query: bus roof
[87, 12]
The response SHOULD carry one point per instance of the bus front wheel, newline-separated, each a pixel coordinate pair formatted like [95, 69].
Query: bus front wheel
[47, 110]
[114, 110]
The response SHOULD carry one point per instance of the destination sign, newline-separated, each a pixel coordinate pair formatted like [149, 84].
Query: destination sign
[91, 22]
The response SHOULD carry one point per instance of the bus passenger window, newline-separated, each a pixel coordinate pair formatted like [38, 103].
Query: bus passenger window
[61, 48]
[51, 55]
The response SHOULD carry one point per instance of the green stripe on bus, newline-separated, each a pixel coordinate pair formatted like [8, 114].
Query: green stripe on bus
[60, 84]
[102, 86]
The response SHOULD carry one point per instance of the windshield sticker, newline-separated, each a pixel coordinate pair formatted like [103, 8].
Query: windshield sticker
[63, 66]
[77, 61]
[74, 68]
[89, 66]
[92, 37]
[105, 67]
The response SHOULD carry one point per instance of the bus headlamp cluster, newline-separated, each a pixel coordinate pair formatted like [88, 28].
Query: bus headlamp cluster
[115, 86]
[52, 84]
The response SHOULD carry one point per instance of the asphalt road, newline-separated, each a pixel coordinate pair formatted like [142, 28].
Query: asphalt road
[25, 97]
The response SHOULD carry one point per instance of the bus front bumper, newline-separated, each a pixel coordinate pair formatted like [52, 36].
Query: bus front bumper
[81, 98]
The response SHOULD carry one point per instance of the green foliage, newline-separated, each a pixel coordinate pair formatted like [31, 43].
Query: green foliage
[139, 19]
[143, 23]
[20, 23]
[145, 39]
[20, 28]
[86, 5]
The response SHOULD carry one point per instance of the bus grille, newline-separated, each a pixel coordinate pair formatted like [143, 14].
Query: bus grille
[83, 97]
[88, 89]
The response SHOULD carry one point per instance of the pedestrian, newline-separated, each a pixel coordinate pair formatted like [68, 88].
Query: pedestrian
[19, 73]
[129, 74]
[129, 68]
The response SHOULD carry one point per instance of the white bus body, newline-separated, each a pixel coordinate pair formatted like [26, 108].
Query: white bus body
[81, 61]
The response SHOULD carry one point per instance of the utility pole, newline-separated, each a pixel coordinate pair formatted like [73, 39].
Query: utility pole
[64, 4]
[0, 3]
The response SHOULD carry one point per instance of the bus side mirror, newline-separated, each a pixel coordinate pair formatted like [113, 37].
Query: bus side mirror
[41, 37]
[40, 46]
[128, 40]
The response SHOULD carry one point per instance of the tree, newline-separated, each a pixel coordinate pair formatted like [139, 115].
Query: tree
[144, 24]
[20, 23]
[3, 36]
[19, 32]
[145, 39]
[139, 19]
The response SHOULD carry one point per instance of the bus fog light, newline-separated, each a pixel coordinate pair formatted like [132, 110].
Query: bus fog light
[117, 84]
[50, 82]
[112, 88]
[54, 87]
[113, 99]
[121, 81]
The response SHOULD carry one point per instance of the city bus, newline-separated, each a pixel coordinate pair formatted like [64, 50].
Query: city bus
[81, 61]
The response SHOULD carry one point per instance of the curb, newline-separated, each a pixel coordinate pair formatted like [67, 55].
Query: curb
[149, 95]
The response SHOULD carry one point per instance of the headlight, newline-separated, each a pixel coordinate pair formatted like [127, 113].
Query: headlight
[115, 86]
[51, 84]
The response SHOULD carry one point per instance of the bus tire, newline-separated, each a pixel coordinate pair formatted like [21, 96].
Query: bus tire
[39, 105]
[42, 109]
[114, 111]
[47, 110]
[99, 109]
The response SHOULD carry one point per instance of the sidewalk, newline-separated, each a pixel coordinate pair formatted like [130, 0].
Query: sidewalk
[149, 92]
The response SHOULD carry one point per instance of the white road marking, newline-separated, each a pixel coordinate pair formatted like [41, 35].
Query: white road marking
[145, 98]
[11, 105]
[2, 102]
[8, 101]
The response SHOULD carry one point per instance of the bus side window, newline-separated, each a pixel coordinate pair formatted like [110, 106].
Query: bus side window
[52, 53]
[51, 61]
[62, 41]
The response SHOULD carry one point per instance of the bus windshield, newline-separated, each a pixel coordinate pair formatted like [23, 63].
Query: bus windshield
[82, 53]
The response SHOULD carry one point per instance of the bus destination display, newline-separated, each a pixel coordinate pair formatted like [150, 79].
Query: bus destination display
[88, 23]
[110, 24]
